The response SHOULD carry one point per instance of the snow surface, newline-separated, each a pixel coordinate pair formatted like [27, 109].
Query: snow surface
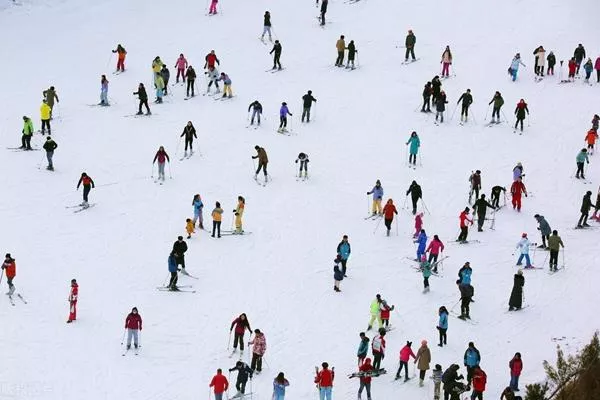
[281, 275]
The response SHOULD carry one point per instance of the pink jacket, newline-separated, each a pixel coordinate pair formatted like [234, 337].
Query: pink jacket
[181, 63]
[260, 344]
[406, 353]
[435, 246]
[418, 222]
[597, 65]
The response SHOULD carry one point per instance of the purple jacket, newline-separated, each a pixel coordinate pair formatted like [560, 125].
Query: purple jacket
[283, 111]
[597, 65]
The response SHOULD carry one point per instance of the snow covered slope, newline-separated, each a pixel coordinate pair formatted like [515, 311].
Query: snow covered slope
[281, 275]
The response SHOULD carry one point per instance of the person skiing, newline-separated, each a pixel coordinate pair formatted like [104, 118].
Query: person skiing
[475, 183]
[415, 194]
[405, 354]
[436, 88]
[239, 212]
[165, 75]
[480, 207]
[159, 84]
[540, 60]
[179, 249]
[446, 62]
[422, 242]
[384, 313]
[190, 133]
[213, 7]
[425, 267]
[388, 215]
[73, 296]
[378, 348]
[259, 348]
[418, 224]
[173, 269]
[340, 45]
[581, 158]
[143, 97]
[479, 381]
[256, 111]
[240, 324]
[377, 193]
[338, 275]
[516, 189]
[217, 216]
[27, 133]
[514, 66]
[198, 206]
[279, 385]
[544, 228]
[307, 101]
[219, 382]
[440, 105]
[496, 190]
[50, 145]
[466, 297]
[572, 69]
[88, 184]
[498, 103]
[434, 249]
[162, 156]
[45, 116]
[375, 310]
[276, 51]
[189, 227]
[104, 91]
[190, 74]
[518, 172]
[442, 326]
[363, 348]
[464, 274]
[464, 225]
[283, 113]
[554, 244]
[9, 267]
[244, 373]
[515, 302]
[437, 381]
[343, 251]
[227, 92]
[263, 160]
[586, 205]
[588, 67]
[121, 53]
[523, 247]
[181, 64]
[427, 92]
[50, 95]
[472, 358]
[303, 158]
[212, 74]
[324, 4]
[133, 324]
[579, 55]
[551, 63]
[595, 122]
[590, 139]
[365, 379]
[467, 100]
[351, 54]
[410, 42]
[324, 379]
[266, 26]
[422, 359]
[414, 143]
[516, 366]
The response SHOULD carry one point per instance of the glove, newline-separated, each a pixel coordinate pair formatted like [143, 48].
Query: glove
[367, 193]
[233, 211]
[236, 214]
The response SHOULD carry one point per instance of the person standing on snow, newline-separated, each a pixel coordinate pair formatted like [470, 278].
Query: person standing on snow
[190, 74]
[156, 67]
[515, 302]
[179, 249]
[516, 189]
[307, 101]
[73, 295]
[133, 324]
[523, 247]
[518, 172]
[50, 95]
[259, 348]
[414, 143]
[498, 103]
[418, 225]
[324, 379]
[219, 383]
[263, 160]
[50, 146]
[181, 64]
[239, 212]
[340, 45]
[363, 348]
[475, 183]
[422, 243]
[446, 62]
[464, 225]
[338, 275]
[410, 42]
[10, 267]
[554, 244]
[198, 206]
[104, 91]
[213, 7]
[551, 63]
[440, 106]
[422, 360]
[384, 313]
[590, 139]
[442, 325]
[165, 75]
[464, 274]
[324, 4]
[159, 84]
[435, 247]
[241, 324]
[365, 379]
[516, 366]
[479, 381]
[467, 100]
[283, 113]
[121, 58]
[472, 358]
[586, 205]
[227, 92]
[388, 215]
[544, 228]
[303, 158]
[378, 348]
[190, 133]
[466, 297]
[343, 251]
[540, 60]
[375, 309]
[427, 92]
[256, 111]
[276, 51]
[415, 194]
[88, 184]
[520, 111]
[496, 190]
[377, 193]
[173, 269]
[405, 354]
[436, 88]
[27, 133]
[351, 54]
[514, 66]
[45, 116]
[143, 97]
[581, 158]
[217, 216]
[212, 74]
[162, 157]
[480, 207]
[279, 385]
[579, 55]
[244, 373]
[266, 26]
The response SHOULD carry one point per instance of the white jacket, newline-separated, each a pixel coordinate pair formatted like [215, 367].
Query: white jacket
[541, 55]
[523, 245]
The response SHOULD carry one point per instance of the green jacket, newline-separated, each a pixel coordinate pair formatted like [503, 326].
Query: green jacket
[375, 307]
[411, 39]
[554, 242]
[498, 101]
[28, 127]
[582, 157]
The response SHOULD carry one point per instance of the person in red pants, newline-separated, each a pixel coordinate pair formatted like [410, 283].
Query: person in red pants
[516, 189]
[120, 50]
[73, 301]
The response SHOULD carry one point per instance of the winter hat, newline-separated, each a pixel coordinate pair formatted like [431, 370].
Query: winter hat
[524, 235]
[423, 342]
[7, 255]
[438, 367]
[179, 237]
[408, 343]
[284, 104]
[73, 281]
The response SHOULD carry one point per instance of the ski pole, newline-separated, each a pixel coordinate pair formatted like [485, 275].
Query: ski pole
[368, 206]
[405, 155]
[170, 176]
[109, 58]
[425, 206]
[377, 225]
[504, 115]
[140, 338]
[396, 226]
[152, 175]
[454, 112]
[229, 340]
[178, 143]
[563, 260]
[455, 304]
[474, 119]
[266, 363]
[41, 161]
[123, 338]
[420, 160]
[486, 112]
[405, 200]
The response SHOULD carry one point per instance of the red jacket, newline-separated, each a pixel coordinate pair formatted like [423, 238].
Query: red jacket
[211, 59]
[324, 378]
[517, 188]
[572, 66]
[389, 210]
[384, 314]
[220, 383]
[74, 293]
[464, 218]
[10, 267]
[516, 366]
[240, 326]
[366, 367]
[479, 381]
[133, 321]
[378, 344]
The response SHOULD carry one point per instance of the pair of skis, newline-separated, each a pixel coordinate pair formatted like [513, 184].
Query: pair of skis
[12, 300]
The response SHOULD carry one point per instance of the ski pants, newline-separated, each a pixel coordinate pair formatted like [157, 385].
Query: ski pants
[553, 258]
[86, 192]
[442, 334]
[219, 396]
[216, 227]
[412, 158]
[514, 382]
[173, 280]
[476, 395]
[240, 385]
[433, 259]
[514, 74]
[425, 282]
[190, 85]
[583, 219]
[198, 216]
[426, 103]
[414, 200]
[46, 124]
[188, 142]
[544, 238]
[325, 393]
[104, 97]
[519, 120]
[216, 85]
[470, 372]
[420, 252]
[480, 221]
[366, 386]
[527, 259]
[411, 51]
[495, 200]
[213, 7]
[121, 64]
[306, 113]
[49, 155]
[464, 305]
[598, 75]
[303, 166]
[323, 16]
[464, 231]
[388, 223]
[9, 282]
[143, 103]
[161, 170]
[132, 333]
[377, 206]
[26, 142]
[343, 261]
[180, 260]
[375, 316]
[340, 58]
[516, 202]
[440, 115]
[256, 363]
[276, 62]
[403, 364]
[227, 90]
[263, 167]
[436, 390]
[238, 222]
[180, 71]
[73, 311]
[266, 29]
[464, 110]
[238, 338]
[255, 113]
[445, 69]
[550, 69]
[579, 170]
[282, 121]
[496, 112]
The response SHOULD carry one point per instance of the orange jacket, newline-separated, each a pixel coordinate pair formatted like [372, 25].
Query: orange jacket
[591, 137]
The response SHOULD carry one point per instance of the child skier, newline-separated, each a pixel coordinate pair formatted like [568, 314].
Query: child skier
[363, 348]
[338, 275]
[227, 92]
[239, 212]
[437, 381]
[426, 271]
[161, 156]
[283, 113]
[189, 227]
[10, 267]
[73, 295]
[422, 243]
[198, 207]
[384, 313]
[418, 224]
[516, 189]
[88, 184]
[523, 247]
[133, 324]
[217, 216]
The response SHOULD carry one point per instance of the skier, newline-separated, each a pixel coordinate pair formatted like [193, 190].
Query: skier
[307, 101]
[544, 228]
[554, 244]
[518, 172]
[434, 249]
[551, 62]
[133, 324]
[10, 267]
[586, 205]
[479, 381]
[597, 68]
[425, 267]
[283, 113]
[213, 7]
[181, 64]
[239, 212]
[427, 92]
[377, 192]
[581, 158]
[363, 348]
[343, 251]
[88, 184]
[263, 160]
[472, 358]
[452, 388]
[241, 324]
[190, 133]
[165, 75]
[266, 26]
[496, 190]
[572, 69]
[256, 111]
[464, 225]
[227, 92]
[303, 158]
[173, 269]
[143, 97]
[595, 122]
[217, 216]
[464, 274]
[480, 207]
[50, 146]
[244, 373]
[190, 74]
[466, 297]
[579, 55]
[516, 366]
[338, 275]
[442, 325]
[467, 100]
[120, 58]
[104, 91]
[415, 194]
[156, 67]
[340, 45]
[213, 76]
[279, 385]
[219, 383]
[259, 348]
[436, 88]
[198, 206]
[73, 296]
[516, 189]
[588, 67]
[27, 133]
[375, 309]
[365, 379]
[324, 4]
[352, 54]
[422, 360]
[45, 116]
[405, 354]
[446, 61]
[418, 224]
[540, 60]
[440, 105]
[159, 84]
[514, 66]
[388, 215]
[437, 381]
[189, 227]
[475, 183]
[162, 156]
[410, 42]
[415, 143]
[422, 242]
[509, 394]
[50, 96]
[324, 378]
[590, 139]
[378, 348]
[384, 313]
[179, 249]
[523, 246]
[276, 51]
[498, 103]
[515, 302]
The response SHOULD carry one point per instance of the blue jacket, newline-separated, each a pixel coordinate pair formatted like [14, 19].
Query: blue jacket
[472, 357]
[443, 322]
[284, 111]
[465, 277]
[279, 388]
[377, 192]
[422, 240]
[344, 250]
[172, 263]
[198, 207]
[363, 348]
[337, 274]
[414, 142]
[514, 65]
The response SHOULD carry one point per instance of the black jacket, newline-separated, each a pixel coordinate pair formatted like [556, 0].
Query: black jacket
[516, 296]
[179, 248]
[466, 98]
[586, 204]
[189, 132]
[190, 74]
[165, 75]
[427, 91]
[324, 4]
[415, 191]
[267, 21]
[307, 100]
[276, 48]
[256, 106]
[141, 94]
[244, 372]
[436, 86]
[481, 206]
[50, 145]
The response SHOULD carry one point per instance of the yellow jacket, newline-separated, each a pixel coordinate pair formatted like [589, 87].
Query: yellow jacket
[340, 45]
[240, 209]
[45, 111]
[157, 65]
[189, 227]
